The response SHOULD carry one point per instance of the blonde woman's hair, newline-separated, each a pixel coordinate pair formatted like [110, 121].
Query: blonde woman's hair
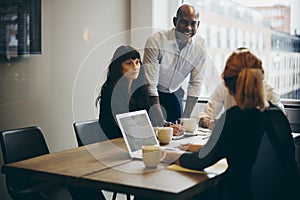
[241, 58]
[243, 76]
[249, 89]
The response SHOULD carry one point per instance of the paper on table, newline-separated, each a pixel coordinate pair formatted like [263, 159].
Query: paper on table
[295, 134]
[189, 140]
[183, 169]
[217, 168]
[207, 130]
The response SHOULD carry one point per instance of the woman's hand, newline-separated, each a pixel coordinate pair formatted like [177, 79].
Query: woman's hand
[207, 122]
[177, 129]
[204, 122]
[190, 147]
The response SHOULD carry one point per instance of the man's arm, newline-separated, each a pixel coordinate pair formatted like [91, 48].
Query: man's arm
[189, 106]
[196, 79]
[152, 68]
[273, 96]
[213, 107]
[155, 111]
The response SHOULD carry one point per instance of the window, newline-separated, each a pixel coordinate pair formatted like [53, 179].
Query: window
[251, 27]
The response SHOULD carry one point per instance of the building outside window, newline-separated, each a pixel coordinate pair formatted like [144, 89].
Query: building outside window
[251, 27]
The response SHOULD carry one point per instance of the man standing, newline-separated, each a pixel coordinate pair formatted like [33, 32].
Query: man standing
[169, 57]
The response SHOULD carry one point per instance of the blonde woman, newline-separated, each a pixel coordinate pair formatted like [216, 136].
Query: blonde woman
[220, 99]
[238, 133]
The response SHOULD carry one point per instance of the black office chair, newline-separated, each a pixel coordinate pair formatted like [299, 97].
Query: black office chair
[297, 153]
[89, 132]
[20, 144]
[274, 174]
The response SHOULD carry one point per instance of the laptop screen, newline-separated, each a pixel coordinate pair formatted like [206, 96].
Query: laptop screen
[137, 130]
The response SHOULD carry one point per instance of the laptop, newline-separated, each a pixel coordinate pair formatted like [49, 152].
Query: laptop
[137, 131]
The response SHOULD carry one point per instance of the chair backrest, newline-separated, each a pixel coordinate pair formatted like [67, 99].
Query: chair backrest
[20, 144]
[274, 174]
[23, 143]
[267, 173]
[88, 132]
[297, 153]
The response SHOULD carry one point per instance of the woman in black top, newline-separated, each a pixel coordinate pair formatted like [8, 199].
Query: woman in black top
[124, 90]
[238, 133]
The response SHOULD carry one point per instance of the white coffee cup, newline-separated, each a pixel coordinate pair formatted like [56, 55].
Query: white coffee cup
[189, 124]
[152, 155]
[164, 134]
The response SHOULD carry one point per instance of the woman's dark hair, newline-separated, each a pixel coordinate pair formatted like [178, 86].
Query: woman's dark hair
[115, 73]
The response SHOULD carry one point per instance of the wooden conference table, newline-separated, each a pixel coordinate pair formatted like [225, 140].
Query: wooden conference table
[107, 165]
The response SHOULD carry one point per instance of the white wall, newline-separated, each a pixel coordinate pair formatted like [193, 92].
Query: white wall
[150, 16]
[39, 90]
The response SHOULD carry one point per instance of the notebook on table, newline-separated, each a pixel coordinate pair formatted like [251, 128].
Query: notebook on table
[137, 131]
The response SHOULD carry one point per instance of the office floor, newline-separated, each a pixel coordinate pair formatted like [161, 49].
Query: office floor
[108, 195]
